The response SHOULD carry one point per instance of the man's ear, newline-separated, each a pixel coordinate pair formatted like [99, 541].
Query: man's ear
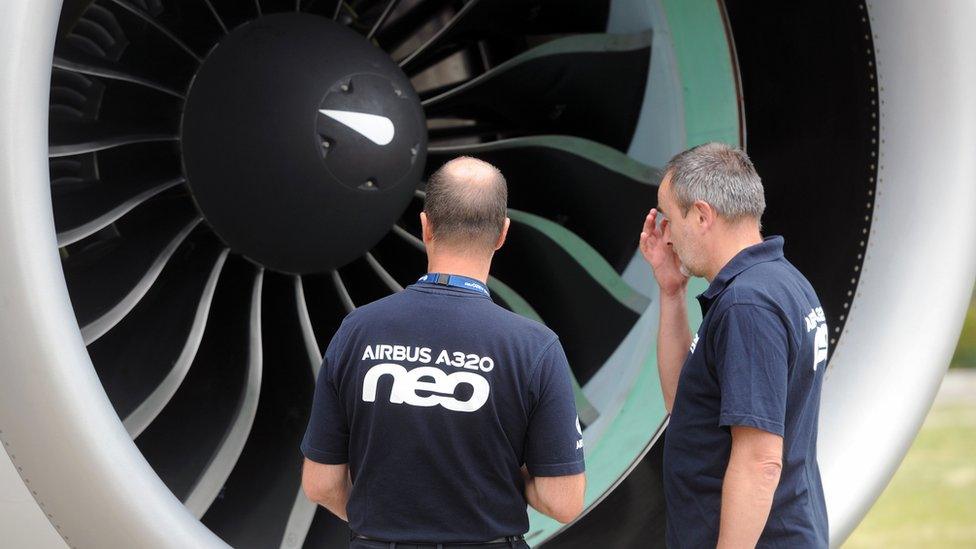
[704, 214]
[426, 233]
[501, 237]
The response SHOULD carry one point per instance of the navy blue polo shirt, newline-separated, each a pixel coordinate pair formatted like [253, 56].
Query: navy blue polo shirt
[757, 360]
[436, 397]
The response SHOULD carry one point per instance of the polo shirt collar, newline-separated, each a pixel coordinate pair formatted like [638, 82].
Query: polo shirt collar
[770, 249]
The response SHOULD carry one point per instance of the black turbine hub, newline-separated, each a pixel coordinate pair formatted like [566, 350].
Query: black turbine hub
[302, 142]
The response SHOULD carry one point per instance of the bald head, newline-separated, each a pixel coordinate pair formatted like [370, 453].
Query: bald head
[466, 204]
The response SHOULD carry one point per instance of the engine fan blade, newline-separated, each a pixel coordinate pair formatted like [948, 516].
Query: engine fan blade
[561, 87]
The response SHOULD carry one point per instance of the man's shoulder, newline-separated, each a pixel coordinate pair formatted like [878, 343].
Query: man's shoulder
[773, 292]
[752, 294]
[745, 292]
[525, 325]
[368, 310]
[765, 284]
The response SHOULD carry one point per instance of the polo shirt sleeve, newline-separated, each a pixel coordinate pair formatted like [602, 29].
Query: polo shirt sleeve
[326, 439]
[553, 445]
[751, 362]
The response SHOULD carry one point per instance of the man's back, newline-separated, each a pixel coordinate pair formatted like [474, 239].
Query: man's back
[436, 396]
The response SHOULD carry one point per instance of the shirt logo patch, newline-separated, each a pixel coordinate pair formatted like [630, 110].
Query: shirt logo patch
[406, 384]
[694, 343]
[820, 346]
[816, 320]
[579, 429]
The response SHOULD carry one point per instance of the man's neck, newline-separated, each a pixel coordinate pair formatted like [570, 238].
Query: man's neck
[475, 268]
[730, 247]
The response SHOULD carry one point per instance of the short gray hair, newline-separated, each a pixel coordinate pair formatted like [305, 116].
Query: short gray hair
[720, 175]
[466, 203]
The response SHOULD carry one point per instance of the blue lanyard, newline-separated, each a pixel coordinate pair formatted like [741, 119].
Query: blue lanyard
[457, 281]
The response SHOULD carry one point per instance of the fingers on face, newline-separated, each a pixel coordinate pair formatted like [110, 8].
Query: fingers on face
[649, 222]
[653, 235]
[650, 238]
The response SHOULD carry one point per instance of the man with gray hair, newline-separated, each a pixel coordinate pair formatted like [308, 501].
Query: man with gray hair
[438, 414]
[740, 452]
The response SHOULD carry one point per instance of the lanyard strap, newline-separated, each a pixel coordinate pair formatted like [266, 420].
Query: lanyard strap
[458, 281]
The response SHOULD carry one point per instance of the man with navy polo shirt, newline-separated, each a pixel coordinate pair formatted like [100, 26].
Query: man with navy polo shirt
[438, 414]
[740, 452]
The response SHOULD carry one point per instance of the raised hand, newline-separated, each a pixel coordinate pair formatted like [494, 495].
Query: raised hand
[656, 251]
